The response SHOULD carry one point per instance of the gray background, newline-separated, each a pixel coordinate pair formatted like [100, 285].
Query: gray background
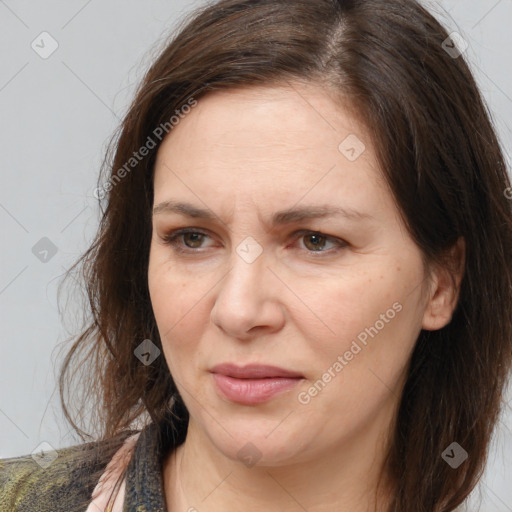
[57, 115]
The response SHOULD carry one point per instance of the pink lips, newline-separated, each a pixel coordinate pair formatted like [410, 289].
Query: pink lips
[252, 384]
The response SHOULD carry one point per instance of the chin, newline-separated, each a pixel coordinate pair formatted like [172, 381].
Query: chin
[257, 443]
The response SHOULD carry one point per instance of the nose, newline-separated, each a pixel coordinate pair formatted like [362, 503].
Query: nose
[248, 300]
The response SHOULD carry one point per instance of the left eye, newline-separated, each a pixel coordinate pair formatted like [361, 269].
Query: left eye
[317, 241]
[192, 239]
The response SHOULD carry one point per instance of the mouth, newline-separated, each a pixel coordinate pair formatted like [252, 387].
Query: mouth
[252, 384]
[254, 371]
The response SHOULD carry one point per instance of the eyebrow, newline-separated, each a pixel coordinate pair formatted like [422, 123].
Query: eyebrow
[291, 215]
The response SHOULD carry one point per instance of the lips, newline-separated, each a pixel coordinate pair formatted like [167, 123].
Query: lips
[252, 384]
[253, 371]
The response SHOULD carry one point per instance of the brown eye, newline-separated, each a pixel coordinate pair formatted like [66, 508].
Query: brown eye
[315, 242]
[183, 240]
[192, 239]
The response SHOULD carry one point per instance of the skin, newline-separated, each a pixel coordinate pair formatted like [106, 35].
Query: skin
[245, 154]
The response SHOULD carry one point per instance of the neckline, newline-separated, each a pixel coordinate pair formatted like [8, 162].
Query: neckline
[144, 477]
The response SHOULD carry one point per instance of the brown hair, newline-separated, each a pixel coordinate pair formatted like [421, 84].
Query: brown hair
[439, 153]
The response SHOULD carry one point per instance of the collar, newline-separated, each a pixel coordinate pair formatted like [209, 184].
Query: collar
[144, 488]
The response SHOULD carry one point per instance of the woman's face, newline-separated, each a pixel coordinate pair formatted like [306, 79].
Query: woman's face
[256, 284]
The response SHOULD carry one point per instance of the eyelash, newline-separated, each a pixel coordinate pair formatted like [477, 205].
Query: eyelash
[171, 239]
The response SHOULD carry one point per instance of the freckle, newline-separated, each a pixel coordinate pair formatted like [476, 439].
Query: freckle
[398, 269]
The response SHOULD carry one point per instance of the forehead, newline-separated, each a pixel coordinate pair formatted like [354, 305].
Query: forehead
[292, 116]
[266, 142]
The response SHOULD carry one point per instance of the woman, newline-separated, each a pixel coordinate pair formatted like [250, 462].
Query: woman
[301, 280]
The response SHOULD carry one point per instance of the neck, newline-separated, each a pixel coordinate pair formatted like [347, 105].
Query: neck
[198, 477]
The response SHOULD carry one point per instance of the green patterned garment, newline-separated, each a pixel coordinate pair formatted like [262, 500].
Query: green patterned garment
[66, 485]
[68, 482]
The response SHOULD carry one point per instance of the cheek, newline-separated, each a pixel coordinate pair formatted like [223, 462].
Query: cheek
[177, 314]
[331, 312]
[358, 367]
[369, 319]
[389, 326]
[174, 300]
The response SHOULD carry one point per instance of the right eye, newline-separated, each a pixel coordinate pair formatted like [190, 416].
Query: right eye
[188, 236]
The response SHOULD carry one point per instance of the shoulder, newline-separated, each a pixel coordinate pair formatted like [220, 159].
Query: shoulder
[27, 485]
[63, 482]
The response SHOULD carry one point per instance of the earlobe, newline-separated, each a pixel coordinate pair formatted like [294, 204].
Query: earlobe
[445, 288]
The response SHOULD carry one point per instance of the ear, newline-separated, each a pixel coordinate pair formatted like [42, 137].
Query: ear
[445, 287]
